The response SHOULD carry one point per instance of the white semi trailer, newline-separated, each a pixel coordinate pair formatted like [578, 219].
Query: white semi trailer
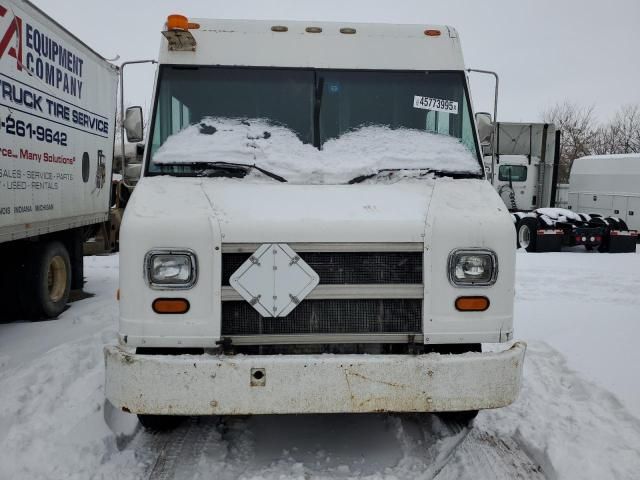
[57, 122]
[313, 231]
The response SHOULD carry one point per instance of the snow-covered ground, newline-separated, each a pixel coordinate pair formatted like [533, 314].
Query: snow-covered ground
[578, 415]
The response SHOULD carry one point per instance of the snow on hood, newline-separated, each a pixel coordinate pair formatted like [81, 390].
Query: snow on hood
[278, 149]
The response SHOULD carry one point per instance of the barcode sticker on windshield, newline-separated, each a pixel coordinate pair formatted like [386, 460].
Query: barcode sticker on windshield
[437, 104]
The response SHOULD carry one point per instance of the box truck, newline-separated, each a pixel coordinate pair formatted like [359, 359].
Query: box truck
[57, 124]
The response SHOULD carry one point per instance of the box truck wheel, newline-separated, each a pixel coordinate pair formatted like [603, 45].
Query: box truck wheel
[527, 233]
[48, 275]
[160, 423]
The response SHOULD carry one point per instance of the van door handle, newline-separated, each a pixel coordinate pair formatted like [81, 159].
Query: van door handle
[617, 212]
[630, 212]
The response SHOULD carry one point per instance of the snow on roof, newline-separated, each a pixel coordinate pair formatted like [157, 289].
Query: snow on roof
[278, 149]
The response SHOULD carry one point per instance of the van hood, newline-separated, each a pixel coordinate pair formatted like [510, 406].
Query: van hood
[248, 212]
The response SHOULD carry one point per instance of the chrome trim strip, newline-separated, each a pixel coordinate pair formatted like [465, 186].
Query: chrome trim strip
[325, 338]
[348, 292]
[331, 247]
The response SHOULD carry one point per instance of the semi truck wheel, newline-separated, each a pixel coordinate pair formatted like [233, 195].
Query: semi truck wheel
[48, 281]
[160, 423]
[527, 233]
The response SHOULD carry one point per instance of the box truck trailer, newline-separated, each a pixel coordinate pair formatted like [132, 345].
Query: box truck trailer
[313, 231]
[57, 124]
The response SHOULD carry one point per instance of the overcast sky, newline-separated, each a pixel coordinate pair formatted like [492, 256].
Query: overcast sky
[545, 51]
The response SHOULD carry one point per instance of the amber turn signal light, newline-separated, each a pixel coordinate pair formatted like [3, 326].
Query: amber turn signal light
[472, 304]
[432, 33]
[173, 306]
[177, 22]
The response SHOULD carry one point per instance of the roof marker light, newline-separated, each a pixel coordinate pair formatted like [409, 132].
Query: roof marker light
[313, 30]
[432, 33]
[177, 22]
[279, 28]
[348, 30]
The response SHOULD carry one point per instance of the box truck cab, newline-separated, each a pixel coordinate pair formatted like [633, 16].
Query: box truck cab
[313, 231]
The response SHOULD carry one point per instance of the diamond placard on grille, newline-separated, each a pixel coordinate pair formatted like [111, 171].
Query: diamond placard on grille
[274, 280]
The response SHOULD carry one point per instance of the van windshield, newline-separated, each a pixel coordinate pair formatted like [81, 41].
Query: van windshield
[312, 125]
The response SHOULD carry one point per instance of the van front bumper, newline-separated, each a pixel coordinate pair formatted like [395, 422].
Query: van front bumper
[266, 384]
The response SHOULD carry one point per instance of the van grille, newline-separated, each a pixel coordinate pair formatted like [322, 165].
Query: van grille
[348, 268]
[327, 317]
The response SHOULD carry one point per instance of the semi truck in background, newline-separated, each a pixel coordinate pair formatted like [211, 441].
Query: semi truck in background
[546, 215]
[313, 231]
[57, 124]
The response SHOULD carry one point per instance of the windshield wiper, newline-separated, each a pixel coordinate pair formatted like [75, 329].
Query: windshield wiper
[225, 169]
[423, 172]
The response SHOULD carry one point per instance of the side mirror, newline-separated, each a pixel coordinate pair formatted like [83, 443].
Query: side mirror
[133, 124]
[485, 127]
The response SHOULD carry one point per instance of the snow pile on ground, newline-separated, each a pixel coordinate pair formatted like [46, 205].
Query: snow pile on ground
[51, 390]
[571, 427]
[278, 149]
[585, 305]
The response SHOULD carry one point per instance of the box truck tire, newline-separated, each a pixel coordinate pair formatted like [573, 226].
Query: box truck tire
[48, 280]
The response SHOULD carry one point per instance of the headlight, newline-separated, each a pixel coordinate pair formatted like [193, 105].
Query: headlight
[171, 269]
[473, 267]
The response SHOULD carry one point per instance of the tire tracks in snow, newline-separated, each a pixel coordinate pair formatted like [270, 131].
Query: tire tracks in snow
[483, 455]
[430, 448]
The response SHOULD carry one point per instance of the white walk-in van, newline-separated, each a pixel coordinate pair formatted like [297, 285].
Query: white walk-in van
[57, 124]
[313, 230]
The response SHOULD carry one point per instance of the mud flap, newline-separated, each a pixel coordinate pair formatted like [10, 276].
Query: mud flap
[549, 240]
[622, 241]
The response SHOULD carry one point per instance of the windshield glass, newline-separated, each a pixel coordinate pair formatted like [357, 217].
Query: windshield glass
[514, 173]
[312, 125]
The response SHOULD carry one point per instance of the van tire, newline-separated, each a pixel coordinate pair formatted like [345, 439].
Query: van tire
[47, 281]
[160, 423]
[465, 417]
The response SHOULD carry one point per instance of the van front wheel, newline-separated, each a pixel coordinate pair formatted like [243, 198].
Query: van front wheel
[160, 423]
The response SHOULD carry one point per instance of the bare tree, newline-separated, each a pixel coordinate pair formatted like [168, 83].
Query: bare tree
[578, 133]
[624, 130]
